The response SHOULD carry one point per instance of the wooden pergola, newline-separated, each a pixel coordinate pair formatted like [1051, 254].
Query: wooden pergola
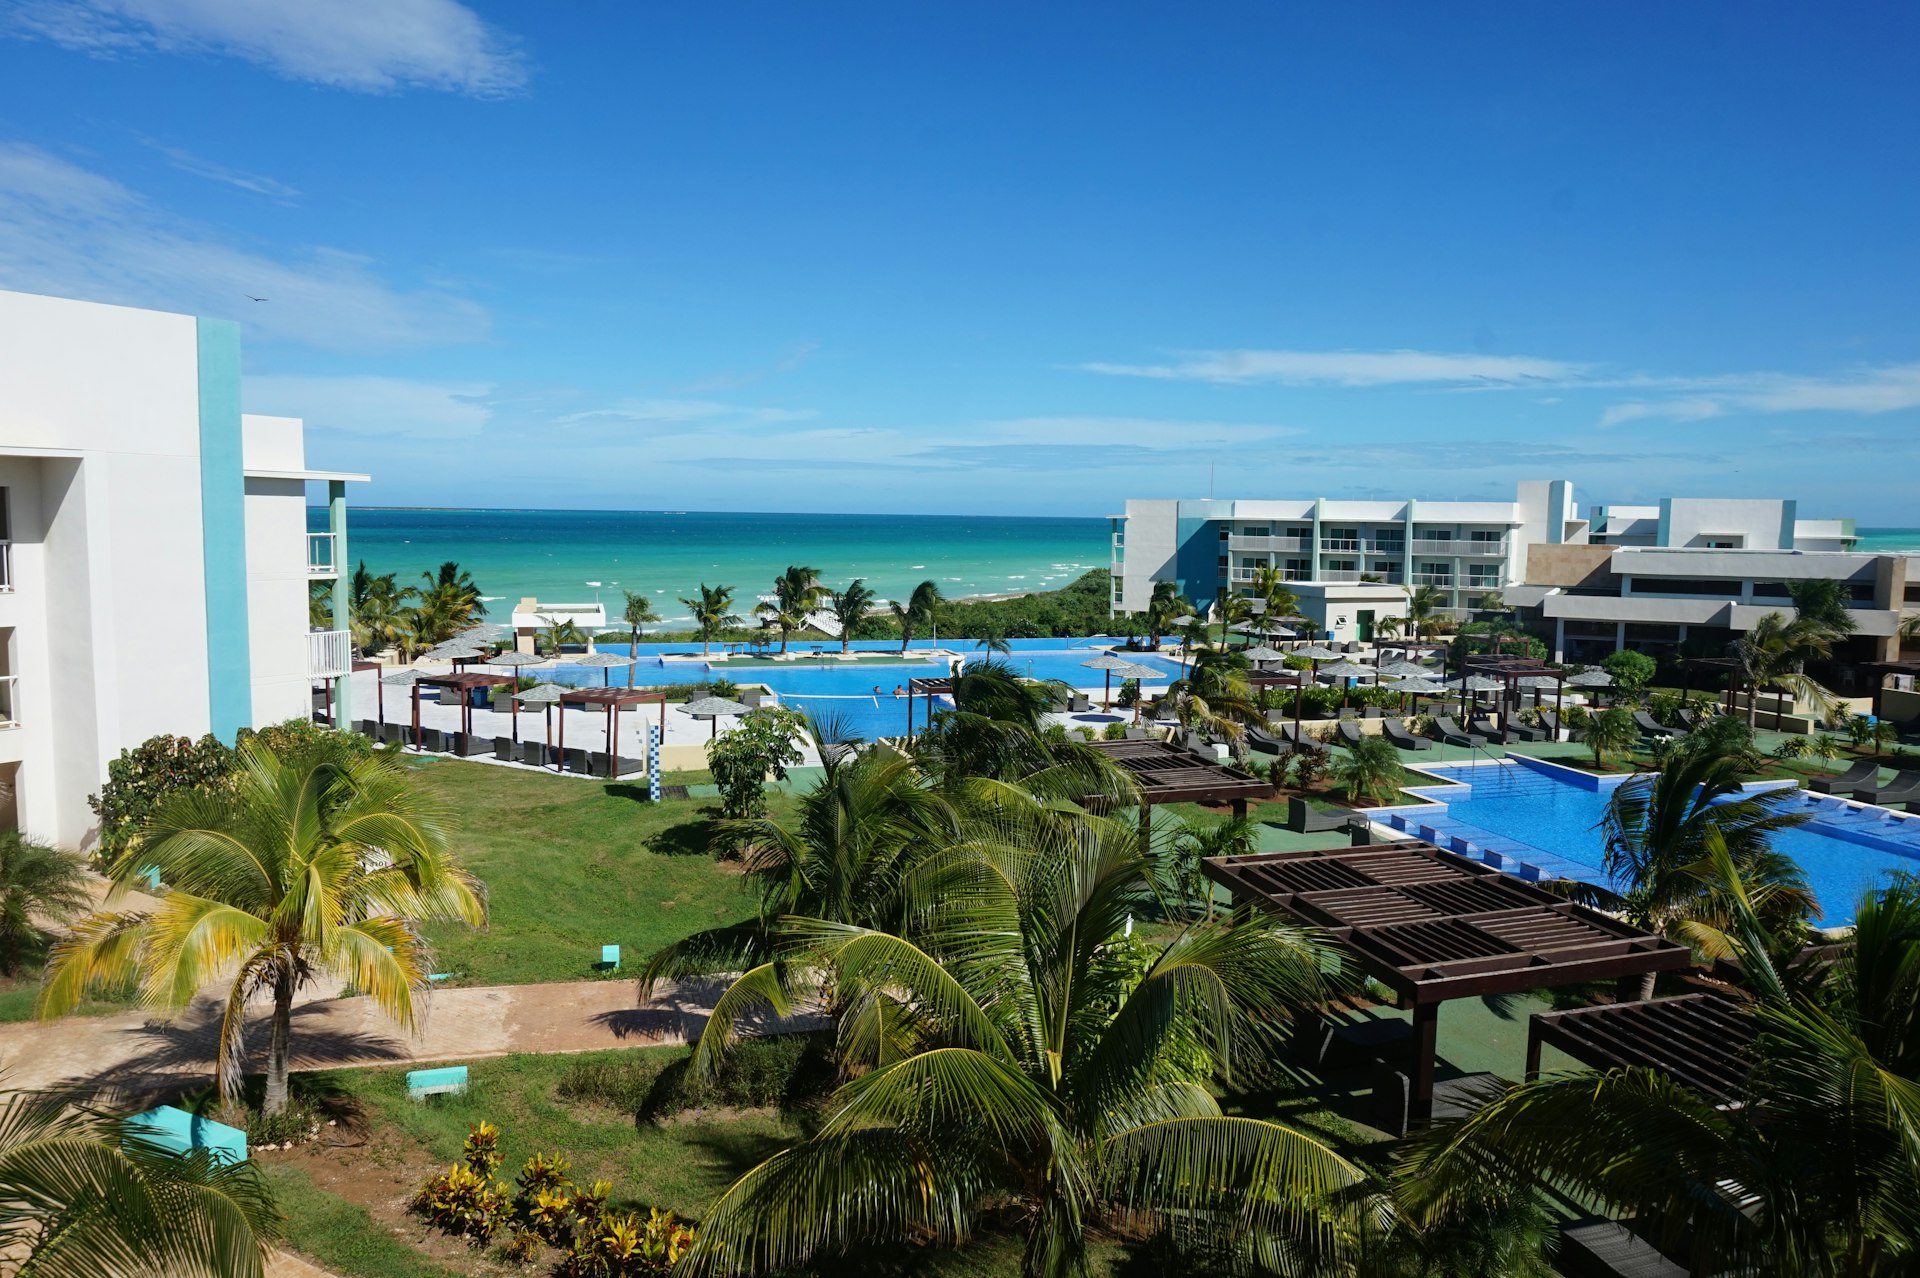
[611, 700]
[1704, 1042]
[928, 688]
[1167, 774]
[1510, 670]
[464, 682]
[1433, 926]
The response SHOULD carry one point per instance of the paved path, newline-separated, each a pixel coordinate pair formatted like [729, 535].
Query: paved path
[127, 1054]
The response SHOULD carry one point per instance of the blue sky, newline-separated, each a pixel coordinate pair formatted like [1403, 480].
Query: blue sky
[1007, 258]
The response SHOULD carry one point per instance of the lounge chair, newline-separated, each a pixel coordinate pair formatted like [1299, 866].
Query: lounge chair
[1304, 818]
[1396, 732]
[597, 761]
[1297, 739]
[1865, 772]
[1137, 734]
[504, 749]
[1078, 703]
[1651, 726]
[1688, 719]
[472, 743]
[1372, 712]
[1517, 731]
[1550, 724]
[367, 728]
[432, 740]
[1258, 740]
[535, 753]
[1904, 788]
[750, 698]
[1484, 726]
[576, 759]
[1349, 731]
[1194, 743]
[1445, 729]
[393, 732]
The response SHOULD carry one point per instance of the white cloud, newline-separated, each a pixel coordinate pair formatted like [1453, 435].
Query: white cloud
[371, 46]
[681, 412]
[1866, 391]
[1350, 368]
[69, 231]
[188, 162]
[392, 408]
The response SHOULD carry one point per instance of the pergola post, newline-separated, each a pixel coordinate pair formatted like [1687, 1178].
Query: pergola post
[1533, 1049]
[416, 717]
[1426, 1041]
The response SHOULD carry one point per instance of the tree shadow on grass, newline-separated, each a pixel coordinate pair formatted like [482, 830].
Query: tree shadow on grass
[689, 838]
[735, 1152]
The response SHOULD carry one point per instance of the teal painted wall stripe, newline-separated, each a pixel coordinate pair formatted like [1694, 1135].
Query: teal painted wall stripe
[223, 530]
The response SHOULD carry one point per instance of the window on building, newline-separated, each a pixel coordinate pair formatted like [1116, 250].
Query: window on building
[1709, 587]
[1483, 535]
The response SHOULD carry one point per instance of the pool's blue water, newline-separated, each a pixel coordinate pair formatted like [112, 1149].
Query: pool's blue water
[843, 691]
[1532, 822]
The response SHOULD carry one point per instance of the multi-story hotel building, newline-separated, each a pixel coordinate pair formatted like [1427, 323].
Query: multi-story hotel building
[155, 562]
[1644, 577]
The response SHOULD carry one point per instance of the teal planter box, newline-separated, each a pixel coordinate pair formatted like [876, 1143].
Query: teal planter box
[179, 1131]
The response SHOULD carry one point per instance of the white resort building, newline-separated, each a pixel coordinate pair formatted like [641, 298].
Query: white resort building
[155, 563]
[1688, 570]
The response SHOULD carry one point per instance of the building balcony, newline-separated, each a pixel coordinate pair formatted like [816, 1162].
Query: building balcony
[1344, 574]
[1285, 545]
[1444, 580]
[1247, 576]
[1395, 549]
[1340, 544]
[1459, 546]
[9, 699]
[329, 653]
[321, 560]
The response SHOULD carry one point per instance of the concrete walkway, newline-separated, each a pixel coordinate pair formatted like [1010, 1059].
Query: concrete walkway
[127, 1056]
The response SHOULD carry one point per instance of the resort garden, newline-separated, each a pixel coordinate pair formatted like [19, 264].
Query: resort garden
[960, 1004]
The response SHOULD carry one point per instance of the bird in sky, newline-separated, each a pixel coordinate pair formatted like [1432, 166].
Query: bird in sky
[251, 298]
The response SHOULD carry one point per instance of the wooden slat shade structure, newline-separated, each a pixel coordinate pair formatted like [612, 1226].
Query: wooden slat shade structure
[1433, 926]
[928, 688]
[462, 681]
[1167, 774]
[1704, 1042]
[612, 700]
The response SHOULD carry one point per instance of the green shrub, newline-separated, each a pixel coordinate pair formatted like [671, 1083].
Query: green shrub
[142, 778]
[1631, 670]
[1129, 695]
[763, 745]
[1115, 732]
[621, 1085]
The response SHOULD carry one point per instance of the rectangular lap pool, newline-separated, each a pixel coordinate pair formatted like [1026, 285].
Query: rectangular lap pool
[1540, 821]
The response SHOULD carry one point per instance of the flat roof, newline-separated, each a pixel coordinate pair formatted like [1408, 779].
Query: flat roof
[345, 476]
[1432, 925]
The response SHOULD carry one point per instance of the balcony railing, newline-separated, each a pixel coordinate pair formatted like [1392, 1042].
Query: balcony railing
[1288, 545]
[6, 565]
[1394, 548]
[329, 653]
[1444, 579]
[1246, 576]
[9, 716]
[1344, 574]
[1340, 544]
[320, 556]
[1457, 546]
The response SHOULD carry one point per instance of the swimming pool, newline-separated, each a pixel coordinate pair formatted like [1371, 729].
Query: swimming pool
[842, 690]
[1540, 821]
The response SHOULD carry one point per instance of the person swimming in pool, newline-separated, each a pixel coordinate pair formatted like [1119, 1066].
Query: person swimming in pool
[899, 691]
[877, 692]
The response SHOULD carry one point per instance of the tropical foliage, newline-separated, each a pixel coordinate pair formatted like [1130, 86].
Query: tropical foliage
[1369, 770]
[638, 612]
[39, 884]
[1772, 656]
[1001, 1052]
[1165, 605]
[1610, 732]
[1631, 670]
[712, 609]
[850, 607]
[1424, 605]
[759, 748]
[87, 1196]
[796, 593]
[922, 609]
[305, 863]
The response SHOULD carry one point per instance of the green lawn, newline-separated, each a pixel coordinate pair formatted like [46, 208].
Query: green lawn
[571, 865]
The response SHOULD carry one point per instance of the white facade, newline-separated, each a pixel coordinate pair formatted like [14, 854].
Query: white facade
[1466, 550]
[1719, 523]
[132, 548]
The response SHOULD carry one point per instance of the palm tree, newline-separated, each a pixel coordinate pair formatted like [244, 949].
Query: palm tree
[1166, 604]
[1370, 769]
[1196, 842]
[456, 584]
[308, 866]
[1609, 732]
[378, 607]
[993, 689]
[993, 640]
[921, 607]
[1385, 628]
[558, 633]
[38, 883]
[1194, 640]
[1214, 694]
[712, 613]
[1270, 584]
[1424, 604]
[1825, 603]
[850, 608]
[1012, 1049]
[1815, 1173]
[1235, 610]
[86, 1195]
[1658, 829]
[1774, 655]
[637, 612]
[796, 593]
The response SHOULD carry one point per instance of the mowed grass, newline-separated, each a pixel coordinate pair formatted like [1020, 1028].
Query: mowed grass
[571, 865]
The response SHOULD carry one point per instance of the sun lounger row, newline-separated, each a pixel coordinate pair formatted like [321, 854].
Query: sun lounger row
[534, 753]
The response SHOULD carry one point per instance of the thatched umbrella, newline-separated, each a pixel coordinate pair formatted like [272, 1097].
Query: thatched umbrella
[546, 696]
[1415, 687]
[403, 678]
[1262, 653]
[1401, 670]
[1107, 663]
[513, 659]
[1141, 673]
[1588, 679]
[605, 661]
[1476, 684]
[713, 708]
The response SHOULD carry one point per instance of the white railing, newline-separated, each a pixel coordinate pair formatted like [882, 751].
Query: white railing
[1457, 546]
[1394, 548]
[1432, 579]
[1345, 574]
[329, 653]
[320, 557]
[1340, 544]
[8, 698]
[1473, 547]
[6, 566]
[1286, 544]
[1247, 575]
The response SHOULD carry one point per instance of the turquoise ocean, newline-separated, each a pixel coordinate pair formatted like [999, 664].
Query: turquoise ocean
[1882, 540]
[579, 556]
